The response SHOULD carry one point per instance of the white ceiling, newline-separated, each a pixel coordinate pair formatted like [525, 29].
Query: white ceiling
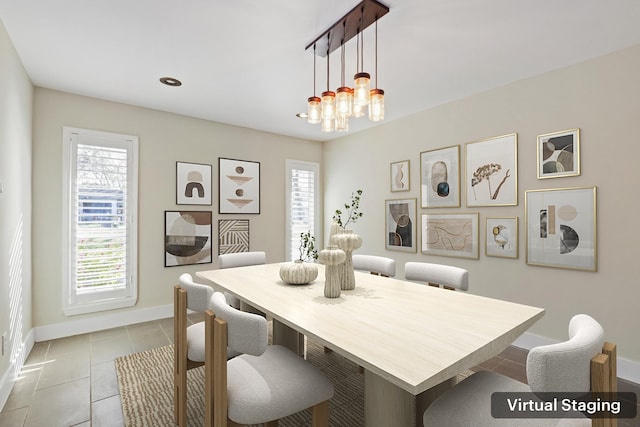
[243, 62]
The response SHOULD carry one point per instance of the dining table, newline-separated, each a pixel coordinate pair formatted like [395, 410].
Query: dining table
[412, 340]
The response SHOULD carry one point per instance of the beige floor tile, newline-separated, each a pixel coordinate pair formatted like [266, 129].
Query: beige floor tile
[104, 381]
[110, 334]
[74, 344]
[107, 412]
[61, 406]
[108, 349]
[64, 368]
[13, 418]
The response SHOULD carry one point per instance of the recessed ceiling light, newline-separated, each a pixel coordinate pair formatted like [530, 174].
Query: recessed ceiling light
[302, 115]
[170, 81]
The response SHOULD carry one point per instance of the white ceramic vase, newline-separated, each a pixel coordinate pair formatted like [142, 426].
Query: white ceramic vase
[332, 257]
[348, 241]
[298, 272]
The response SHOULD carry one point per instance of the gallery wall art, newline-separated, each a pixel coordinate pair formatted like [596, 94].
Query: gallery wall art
[239, 182]
[440, 178]
[193, 184]
[233, 236]
[561, 228]
[400, 224]
[492, 171]
[559, 154]
[501, 237]
[400, 175]
[454, 234]
[187, 238]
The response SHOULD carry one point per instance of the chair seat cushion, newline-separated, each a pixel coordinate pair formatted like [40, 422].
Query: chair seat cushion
[271, 386]
[195, 344]
[469, 404]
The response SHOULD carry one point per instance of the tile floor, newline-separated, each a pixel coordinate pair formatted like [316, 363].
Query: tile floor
[72, 381]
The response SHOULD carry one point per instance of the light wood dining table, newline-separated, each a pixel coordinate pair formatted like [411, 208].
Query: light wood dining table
[411, 339]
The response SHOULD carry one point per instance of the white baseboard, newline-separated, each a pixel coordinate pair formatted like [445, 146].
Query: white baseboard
[628, 370]
[101, 322]
[6, 382]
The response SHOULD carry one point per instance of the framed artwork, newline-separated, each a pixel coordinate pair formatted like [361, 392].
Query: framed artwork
[187, 238]
[440, 178]
[400, 225]
[559, 154]
[239, 182]
[400, 176]
[501, 237]
[492, 171]
[561, 228]
[233, 236]
[193, 184]
[453, 235]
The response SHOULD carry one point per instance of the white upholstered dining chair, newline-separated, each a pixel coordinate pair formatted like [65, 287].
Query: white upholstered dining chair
[448, 276]
[189, 350]
[582, 363]
[265, 383]
[379, 265]
[241, 259]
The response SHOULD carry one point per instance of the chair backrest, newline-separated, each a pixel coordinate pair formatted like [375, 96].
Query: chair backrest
[247, 332]
[566, 366]
[198, 295]
[445, 275]
[241, 259]
[375, 264]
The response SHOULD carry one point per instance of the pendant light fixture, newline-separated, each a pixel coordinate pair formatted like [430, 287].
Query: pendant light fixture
[313, 103]
[376, 102]
[344, 98]
[362, 79]
[333, 109]
[328, 103]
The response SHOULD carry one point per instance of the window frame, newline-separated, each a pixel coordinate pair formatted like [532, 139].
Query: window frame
[290, 165]
[80, 301]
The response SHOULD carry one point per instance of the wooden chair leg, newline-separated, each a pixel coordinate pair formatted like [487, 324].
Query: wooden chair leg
[320, 414]
[180, 357]
[604, 379]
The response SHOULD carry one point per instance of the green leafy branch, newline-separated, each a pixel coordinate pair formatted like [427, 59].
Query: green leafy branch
[307, 247]
[351, 210]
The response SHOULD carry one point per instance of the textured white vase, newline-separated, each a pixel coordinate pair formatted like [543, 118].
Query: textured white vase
[298, 272]
[348, 241]
[332, 257]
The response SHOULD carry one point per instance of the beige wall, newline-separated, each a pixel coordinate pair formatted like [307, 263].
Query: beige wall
[164, 139]
[602, 98]
[16, 103]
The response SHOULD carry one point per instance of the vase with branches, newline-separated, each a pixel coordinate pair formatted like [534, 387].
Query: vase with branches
[304, 269]
[346, 240]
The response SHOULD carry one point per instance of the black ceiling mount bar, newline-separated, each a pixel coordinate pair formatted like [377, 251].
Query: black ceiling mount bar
[348, 26]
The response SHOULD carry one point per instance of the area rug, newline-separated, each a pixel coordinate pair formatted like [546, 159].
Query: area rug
[146, 390]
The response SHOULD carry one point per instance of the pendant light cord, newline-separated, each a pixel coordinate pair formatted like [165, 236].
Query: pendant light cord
[328, 46]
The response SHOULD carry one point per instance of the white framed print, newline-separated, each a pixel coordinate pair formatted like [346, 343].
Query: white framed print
[501, 237]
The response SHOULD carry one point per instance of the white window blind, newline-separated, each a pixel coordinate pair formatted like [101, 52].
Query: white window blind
[302, 204]
[100, 213]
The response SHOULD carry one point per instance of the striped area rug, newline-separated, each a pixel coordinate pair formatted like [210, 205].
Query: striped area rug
[146, 390]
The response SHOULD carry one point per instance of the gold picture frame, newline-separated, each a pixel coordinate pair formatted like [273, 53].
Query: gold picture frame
[400, 174]
[492, 171]
[440, 178]
[501, 237]
[558, 154]
[453, 234]
[561, 228]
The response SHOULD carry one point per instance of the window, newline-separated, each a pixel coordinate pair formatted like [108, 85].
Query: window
[303, 207]
[100, 220]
